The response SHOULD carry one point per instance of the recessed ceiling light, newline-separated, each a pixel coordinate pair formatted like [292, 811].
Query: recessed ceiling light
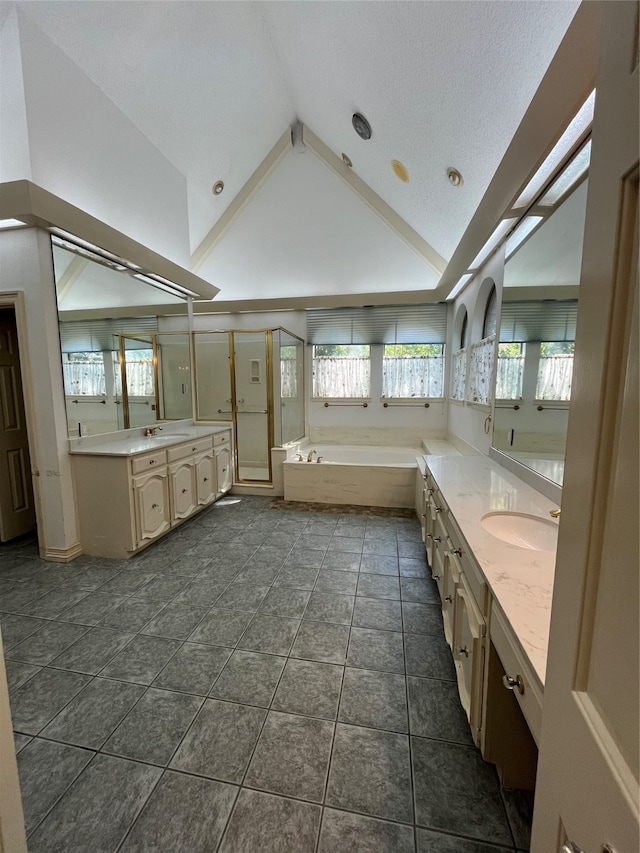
[401, 170]
[455, 178]
[361, 126]
[347, 160]
[217, 188]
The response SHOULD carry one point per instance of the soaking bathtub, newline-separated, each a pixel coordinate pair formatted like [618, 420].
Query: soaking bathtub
[354, 474]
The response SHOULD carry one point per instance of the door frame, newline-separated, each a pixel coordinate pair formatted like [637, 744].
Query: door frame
[15, 299]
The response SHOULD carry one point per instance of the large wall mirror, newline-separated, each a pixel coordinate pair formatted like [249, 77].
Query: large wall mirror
[537, 325]
[120, 368]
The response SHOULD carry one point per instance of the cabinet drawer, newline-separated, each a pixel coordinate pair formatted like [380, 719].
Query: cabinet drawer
[141, 464]
[529, 694]
[198, 445]
[222, 438]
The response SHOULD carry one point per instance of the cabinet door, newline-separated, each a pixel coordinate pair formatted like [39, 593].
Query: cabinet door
[223, 470]
[183, 493]
[439, 546]
[206, 481]
[468, 650]
[450, 580]
[151, 498]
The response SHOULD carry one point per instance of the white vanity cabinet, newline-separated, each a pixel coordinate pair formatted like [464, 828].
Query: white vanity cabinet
[124, 502]
[498, 685]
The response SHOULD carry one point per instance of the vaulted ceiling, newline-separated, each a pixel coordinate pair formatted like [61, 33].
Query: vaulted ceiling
[213, 85]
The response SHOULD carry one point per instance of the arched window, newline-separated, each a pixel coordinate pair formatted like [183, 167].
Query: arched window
[463, 331]
[489, 326]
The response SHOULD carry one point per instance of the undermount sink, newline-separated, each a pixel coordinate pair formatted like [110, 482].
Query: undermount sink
[173, 436]
[521, 529]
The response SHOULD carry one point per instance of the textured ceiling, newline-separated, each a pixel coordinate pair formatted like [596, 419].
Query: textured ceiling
[323, 240]
[214, 84]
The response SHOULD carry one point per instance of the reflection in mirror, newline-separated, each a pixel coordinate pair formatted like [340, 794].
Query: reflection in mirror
[100, 300]
[289, 377]
[537, 326]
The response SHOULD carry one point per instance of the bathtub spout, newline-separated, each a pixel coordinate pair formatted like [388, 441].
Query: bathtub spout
[319, 459]
[310, 455]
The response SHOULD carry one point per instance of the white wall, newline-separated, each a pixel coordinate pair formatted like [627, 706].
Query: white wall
[466, 420]
[14, 139]
[25, 265]
[82, 148]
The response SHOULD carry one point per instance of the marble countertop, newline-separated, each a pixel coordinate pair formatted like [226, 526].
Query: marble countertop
[132, 441]
[521, 580]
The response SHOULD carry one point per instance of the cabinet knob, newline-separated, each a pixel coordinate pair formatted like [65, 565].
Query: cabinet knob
[429, 535]
[464, 651]
[154, 506]
[448, 598]
[152, 462]
[437, 539]
[439, 509]
[516, 683]
[430, 491]
[183, 491]
[224, 470]
[205, 480]
[423, 515]
[436, 577]
[193, 450]
[457, 552]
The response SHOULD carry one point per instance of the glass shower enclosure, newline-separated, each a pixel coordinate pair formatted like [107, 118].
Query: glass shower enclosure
[255, 380]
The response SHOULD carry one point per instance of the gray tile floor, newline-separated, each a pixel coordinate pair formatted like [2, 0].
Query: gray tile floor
[260, 680]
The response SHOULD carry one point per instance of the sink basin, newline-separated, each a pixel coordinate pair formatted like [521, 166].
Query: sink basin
[525, 531]
[173, 436]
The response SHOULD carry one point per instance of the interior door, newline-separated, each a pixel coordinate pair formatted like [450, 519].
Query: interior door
[17, 511]
[252, 403]
[587, 793]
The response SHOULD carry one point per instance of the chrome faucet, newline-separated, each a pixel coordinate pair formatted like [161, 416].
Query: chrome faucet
[149, 431]
[310, 455]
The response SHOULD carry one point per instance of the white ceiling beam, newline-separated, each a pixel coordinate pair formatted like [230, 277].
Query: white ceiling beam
[70, 277]
[237, 205]
[388, 215]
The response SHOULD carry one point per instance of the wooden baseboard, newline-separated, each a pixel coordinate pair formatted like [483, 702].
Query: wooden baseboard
[61, 555]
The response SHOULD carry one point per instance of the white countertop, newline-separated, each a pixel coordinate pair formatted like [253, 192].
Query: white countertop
[130, 442]
[521, 580]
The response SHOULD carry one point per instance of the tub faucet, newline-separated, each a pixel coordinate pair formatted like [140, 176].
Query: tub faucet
[310, 455]
[152, 431]
[299, 457]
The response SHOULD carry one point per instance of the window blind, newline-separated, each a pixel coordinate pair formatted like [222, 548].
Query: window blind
[542, 320]
[96, 335]
[378, 324]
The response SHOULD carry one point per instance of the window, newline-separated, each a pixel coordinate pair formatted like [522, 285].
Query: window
[341, 370]
[490, 323]
[288, 371]
[413, 370]
[83, 374]
[510, 371]
[555, 369]
[463, 331]
[139, 366]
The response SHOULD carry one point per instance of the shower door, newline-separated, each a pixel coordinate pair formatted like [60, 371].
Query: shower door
[252, 396]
